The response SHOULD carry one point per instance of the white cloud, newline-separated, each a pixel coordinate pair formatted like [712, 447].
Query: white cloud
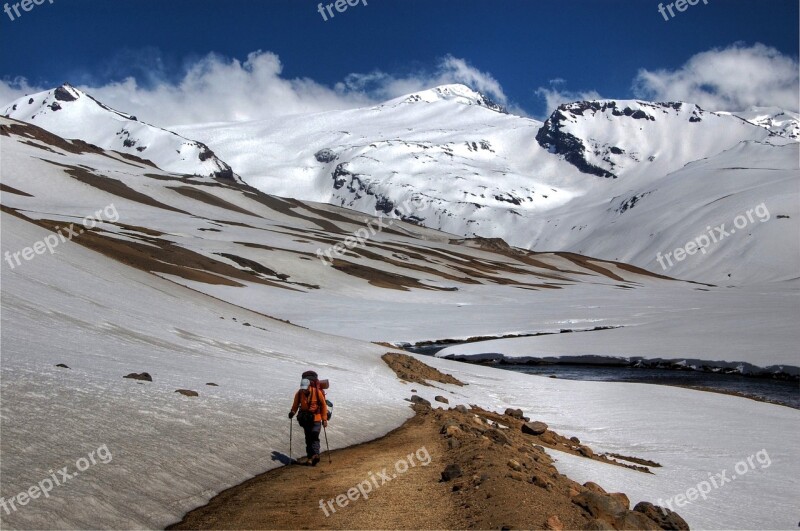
[382, 86]
[217, 89]
[727, 79]
[554, 95]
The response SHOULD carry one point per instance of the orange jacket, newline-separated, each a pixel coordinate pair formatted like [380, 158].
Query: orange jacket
[312, 400]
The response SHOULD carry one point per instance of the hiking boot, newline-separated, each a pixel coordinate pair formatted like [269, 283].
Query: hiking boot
[315, 460]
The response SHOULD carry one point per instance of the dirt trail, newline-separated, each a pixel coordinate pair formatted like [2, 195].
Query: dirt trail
[289, 497]
[501, 477]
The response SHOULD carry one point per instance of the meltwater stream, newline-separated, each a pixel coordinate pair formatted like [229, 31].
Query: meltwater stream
[783, 392]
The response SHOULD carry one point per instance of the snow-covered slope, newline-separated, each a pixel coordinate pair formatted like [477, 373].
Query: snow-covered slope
[166, 282]
[71, 113]
[562, 185]
[776, 120]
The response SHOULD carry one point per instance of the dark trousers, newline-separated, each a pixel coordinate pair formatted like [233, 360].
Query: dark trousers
[312, 438]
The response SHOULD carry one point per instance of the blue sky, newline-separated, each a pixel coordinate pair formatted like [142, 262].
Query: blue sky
[593, 47]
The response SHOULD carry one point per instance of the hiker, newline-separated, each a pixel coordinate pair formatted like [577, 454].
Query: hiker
[313, 416]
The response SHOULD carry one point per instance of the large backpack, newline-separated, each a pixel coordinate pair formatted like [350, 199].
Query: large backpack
[321, 385]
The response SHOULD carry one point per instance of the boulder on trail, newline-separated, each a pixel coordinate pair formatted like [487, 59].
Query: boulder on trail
[534, 428]
[514, 413]
[451, 472]
[416, 399]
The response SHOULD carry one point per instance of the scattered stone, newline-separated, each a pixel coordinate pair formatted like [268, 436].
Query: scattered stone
[514, 413]
[145, 377]
[554, 523]
[575, 440]
[441, 399]
[212, 384]
[662, 516]
[538, 447]
[516, 476]
[62, 366]
[187, 392]
[413, 390]
[534, 428]
[448, 423]
[461, 408]
[594, 487]
[514, 464]
[585, 451]
[419, 400]
[451, 472]
[453, 431]
[541, 482]
[497, 436]
[453, 443]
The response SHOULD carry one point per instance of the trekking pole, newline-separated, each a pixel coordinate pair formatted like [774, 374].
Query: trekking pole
[290, 442]
[326, 443]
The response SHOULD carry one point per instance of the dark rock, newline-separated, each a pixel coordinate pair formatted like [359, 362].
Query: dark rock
[461, 408]
[514, 413]
[662, 516]
[187, 392]
[145, 377]
[62, 366]
[534, 428]
[451, 472]
[453, 443]
[62, 94]
[541, 482]
[416, 399]
[497, 436]
[212, 384]
[575, 440]
[325, 155]
[441, 399]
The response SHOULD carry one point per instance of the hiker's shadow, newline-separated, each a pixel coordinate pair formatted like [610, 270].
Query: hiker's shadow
[282, 458]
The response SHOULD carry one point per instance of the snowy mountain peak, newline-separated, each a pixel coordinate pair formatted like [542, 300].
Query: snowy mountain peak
[609, 138]
[454, 92]
[71, 113]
